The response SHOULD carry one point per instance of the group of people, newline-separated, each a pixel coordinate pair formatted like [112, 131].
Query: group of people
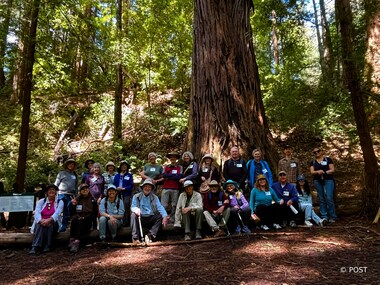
[191, 196]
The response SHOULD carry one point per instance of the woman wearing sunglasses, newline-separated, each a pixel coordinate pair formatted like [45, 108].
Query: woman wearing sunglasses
[322, 168]
[46, 216]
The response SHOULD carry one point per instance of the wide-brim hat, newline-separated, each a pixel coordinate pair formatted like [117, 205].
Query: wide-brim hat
[124, 162]
[207, 156]
[52, 186]
[83, 186]
[281, 172]
[70, 160]
[214, 183]
[261, 176]
[148, 182]
[189, 154]
[110, 163]
[173, 153]
[86, 163]
[111, 187]
[152, 154]
[230, 182]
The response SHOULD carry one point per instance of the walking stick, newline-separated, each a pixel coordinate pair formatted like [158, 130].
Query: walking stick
[242, 223]
[141, 230]
[228, 232]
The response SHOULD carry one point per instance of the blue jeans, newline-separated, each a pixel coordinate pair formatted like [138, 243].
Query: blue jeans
[309, 213]
[325, 190]
[66, 199]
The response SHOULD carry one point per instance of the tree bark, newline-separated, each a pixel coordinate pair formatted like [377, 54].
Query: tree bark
[320, 48]
[226, 104]
[26, 95]
[328, 56]
[276, 57]
[3, 41]
[371, 191]
[119, 80]
[372, 8]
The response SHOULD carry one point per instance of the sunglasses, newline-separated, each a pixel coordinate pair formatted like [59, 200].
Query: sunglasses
[282, 174]
[316, 151]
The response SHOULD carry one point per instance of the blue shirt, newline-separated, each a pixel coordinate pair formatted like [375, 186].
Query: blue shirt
[145, 205]
[259, 197]
[286, 192]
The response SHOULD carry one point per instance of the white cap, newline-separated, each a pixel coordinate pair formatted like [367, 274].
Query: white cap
[187, 183]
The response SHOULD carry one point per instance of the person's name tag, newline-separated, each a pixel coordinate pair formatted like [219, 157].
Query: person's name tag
[239, 165]
[323, 162]
[174, 171]
[191, 166]
[205, 170]
[293, 165]
[265, 171]
[115, 211]
[153, 169]
[268, 193]
[127, 177]
[79, 208]
[231, 197]
[93, 179]
[220, 203]
[286, 193]
[73, 177]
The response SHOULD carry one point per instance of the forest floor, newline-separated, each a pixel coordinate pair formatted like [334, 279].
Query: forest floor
[347, 252]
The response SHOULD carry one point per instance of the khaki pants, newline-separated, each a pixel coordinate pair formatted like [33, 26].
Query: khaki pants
[216, 221]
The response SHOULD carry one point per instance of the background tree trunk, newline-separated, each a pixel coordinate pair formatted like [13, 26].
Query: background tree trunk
[371, 191]
[26, 95]
[276, 56]
[328, 56]
[226, 104]
[119, 79]
[320, 48]
[3, 41]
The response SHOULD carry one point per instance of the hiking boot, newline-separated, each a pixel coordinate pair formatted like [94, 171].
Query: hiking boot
[219, 233]
[245, 230]
[238, 230]
[292, 224]
[187, 237]
[136, 241]
[198, 234]
[284, 224]
[75, 246]
[70, 243]
[277, 227]
[264, 227]
[46, 249]
[322, 222]
[308, 224]
[33, 251]
[332, 221]
[149, 238]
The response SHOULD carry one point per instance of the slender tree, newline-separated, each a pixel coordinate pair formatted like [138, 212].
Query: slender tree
[3, 40]
[26, 95]
[371, 191]
[226, 105]
[119, 76]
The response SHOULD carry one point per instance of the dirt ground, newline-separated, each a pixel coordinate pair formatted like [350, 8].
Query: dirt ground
[347, 252]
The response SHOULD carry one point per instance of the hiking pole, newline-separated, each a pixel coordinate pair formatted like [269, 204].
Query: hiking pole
[242, 223]
[228, 232]
[141, 230]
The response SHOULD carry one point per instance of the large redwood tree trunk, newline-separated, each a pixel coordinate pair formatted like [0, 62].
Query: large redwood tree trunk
[26, 96]
[371, 189]
[226, 104]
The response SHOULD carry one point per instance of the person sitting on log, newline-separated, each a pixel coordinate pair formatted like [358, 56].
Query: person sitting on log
[111, 212]
[47, 216]
[240, 211]
[189, 207]
[84, 209]
[147, 209]
[216, 206]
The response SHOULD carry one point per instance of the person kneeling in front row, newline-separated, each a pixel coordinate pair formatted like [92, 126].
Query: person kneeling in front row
[111, 214]
[189, 205]
[147, 207]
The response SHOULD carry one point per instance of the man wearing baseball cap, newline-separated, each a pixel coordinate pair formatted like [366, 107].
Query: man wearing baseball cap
[189, 207]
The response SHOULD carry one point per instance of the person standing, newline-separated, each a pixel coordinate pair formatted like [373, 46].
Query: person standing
[66, 182]
[152, 170]
[290, 165]
[124, 185]
[258, 166]
[170, 190]
[87, 165]
[189, 168]
[235, 168]
[322, 168]
[109, 175]
[95, 182]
